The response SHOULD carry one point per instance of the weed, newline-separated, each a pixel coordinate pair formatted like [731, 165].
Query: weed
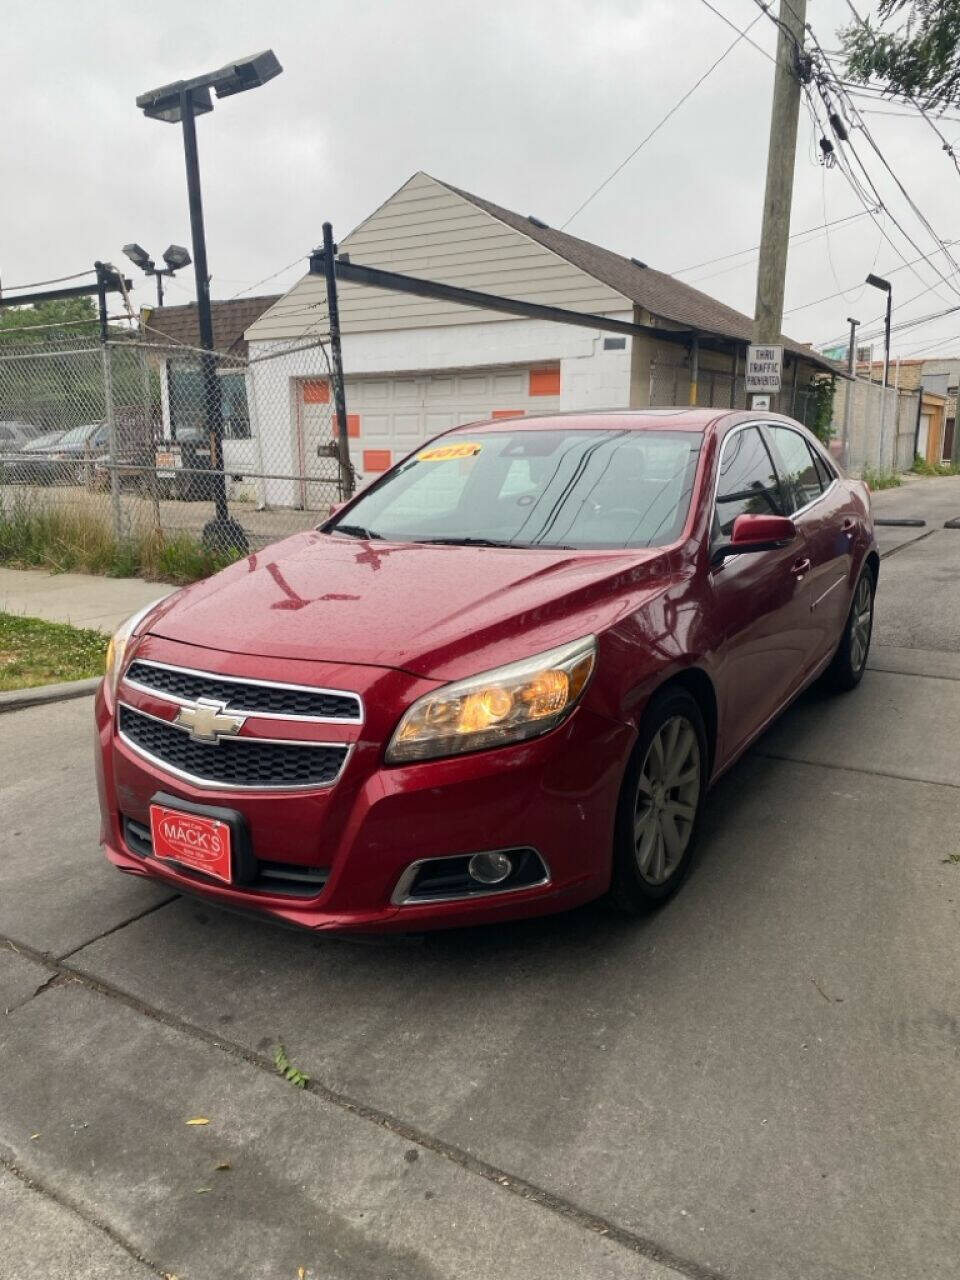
[288, 1070]
[922, 468]
[66, 541]
[876, 479]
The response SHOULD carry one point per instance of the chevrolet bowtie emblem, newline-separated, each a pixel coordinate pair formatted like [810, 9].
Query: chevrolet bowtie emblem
[208, 721]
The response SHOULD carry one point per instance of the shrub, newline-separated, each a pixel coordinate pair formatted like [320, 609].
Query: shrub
[67, 541]
[876, 479]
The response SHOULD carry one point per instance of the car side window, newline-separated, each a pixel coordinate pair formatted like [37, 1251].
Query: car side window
[748, 483]
[801, 477]
[826, 472]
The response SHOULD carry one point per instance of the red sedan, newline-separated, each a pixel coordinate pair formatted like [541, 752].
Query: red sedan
[498, 682]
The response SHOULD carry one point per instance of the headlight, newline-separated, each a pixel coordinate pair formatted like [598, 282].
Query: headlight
[509, 704]
[118, 644]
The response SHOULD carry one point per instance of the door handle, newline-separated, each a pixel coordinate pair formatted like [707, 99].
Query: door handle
[800, 567]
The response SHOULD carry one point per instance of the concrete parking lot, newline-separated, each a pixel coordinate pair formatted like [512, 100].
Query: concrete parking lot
[760, 1082]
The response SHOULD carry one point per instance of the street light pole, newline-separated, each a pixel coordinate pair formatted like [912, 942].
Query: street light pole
[211, 383]
[181, 102]
[878, 282]
[851, 391]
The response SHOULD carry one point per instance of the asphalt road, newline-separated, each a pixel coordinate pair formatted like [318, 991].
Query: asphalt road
[760, 1082]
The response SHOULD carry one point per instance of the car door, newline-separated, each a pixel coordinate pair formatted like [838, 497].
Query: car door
[760, 599]
[817, 505]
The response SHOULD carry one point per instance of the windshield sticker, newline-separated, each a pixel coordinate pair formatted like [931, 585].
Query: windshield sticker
[448, 452]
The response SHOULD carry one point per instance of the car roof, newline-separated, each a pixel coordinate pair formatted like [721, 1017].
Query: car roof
[666, 419]
[601, 420]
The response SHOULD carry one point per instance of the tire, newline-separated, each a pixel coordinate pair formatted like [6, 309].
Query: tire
[672, 743]
[850, 661]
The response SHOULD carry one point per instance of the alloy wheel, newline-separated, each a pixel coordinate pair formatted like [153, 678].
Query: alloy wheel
[668, 793]
[862, 621]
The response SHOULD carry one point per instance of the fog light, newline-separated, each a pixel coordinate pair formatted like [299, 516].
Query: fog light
[489, 868]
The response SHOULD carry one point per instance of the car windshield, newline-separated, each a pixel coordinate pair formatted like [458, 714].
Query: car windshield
[576, 488]
[79, 435]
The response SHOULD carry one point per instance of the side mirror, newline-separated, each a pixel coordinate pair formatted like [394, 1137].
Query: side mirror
[756, 533]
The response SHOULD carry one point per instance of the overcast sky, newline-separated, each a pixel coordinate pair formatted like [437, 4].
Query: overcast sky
[530, 103]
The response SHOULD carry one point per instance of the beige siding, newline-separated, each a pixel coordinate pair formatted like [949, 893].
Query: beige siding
[428, 230]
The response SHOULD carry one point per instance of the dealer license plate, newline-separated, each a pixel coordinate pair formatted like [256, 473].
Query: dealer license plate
[202, 844]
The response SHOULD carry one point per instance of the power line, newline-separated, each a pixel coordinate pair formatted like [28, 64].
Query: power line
[38, 284]
[914, 297]
[859, 123]
[865, 198]
[741, 35]
[266, 279]
[851, 178]
[909, 97]
[891, 272]
[820, 227]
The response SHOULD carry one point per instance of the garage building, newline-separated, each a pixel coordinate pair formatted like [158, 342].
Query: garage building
[415, 366]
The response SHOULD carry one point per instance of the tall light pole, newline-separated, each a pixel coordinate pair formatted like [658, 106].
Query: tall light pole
[175, 256]
[781, 162]
[851, 391]
[179, 103]
[886, 287]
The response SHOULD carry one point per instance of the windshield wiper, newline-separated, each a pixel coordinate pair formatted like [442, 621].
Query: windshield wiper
[356, 531]
[490, 542]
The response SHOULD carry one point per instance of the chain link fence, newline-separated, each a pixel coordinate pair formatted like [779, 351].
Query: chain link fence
[135, 439]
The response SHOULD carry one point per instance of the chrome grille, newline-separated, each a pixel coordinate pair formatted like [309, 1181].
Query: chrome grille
[254, 697]
[249, 764]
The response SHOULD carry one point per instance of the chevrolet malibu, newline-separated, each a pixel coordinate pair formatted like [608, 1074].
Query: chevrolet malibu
[495, 684]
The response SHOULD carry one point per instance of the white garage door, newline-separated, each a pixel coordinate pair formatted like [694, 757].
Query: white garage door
[389, 416]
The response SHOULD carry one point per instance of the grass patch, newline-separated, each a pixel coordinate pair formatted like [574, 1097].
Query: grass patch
[922, 468]
[75, 541]
[877, 479]
[35, 652]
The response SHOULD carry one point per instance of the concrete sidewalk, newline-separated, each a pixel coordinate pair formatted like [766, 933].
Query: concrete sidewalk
[82, 599]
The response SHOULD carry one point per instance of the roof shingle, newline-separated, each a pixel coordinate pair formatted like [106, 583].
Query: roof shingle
[660, 294]
[178, 326]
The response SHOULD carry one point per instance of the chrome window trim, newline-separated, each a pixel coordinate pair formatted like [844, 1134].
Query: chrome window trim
[783, 426]
[240, 711]
[758, 423]
[741, 426]
[207, 784]
[399, 896]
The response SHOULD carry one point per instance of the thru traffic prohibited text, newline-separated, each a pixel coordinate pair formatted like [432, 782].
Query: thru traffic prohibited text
[764, 367]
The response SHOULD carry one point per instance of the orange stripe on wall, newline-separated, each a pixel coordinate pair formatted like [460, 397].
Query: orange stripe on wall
[353, 425]
[316, 391]
[376, 459]
[544, 382]
[506, 413]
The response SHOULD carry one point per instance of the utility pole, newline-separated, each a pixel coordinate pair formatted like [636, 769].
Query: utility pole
[781, 161]
[851, 392]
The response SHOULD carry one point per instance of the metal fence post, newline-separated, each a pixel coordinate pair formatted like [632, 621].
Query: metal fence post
[115, 512]
[339, 394]
[153, 483]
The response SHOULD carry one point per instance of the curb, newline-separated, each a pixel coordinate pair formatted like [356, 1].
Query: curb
[17, 699]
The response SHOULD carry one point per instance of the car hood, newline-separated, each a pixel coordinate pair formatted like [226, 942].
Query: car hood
[436, 611]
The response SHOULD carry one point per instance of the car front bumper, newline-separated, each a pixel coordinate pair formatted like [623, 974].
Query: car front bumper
[556, 795]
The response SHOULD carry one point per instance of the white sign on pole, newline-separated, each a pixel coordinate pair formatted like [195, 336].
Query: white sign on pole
[764, 366]
[759, 402]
